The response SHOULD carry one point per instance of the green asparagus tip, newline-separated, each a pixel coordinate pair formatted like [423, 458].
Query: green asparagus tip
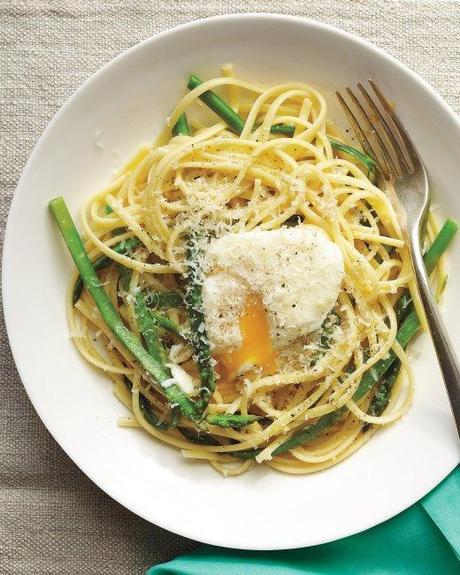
[193, 82]
[452, 224]
[440, 244]
[181, 126]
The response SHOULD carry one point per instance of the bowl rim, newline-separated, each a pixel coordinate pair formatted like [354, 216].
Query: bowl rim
[20, 191]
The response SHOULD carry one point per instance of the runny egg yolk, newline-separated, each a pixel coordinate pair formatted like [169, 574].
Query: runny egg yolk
[256, 348]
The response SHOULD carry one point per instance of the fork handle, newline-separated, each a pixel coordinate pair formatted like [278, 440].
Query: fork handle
[446, 357]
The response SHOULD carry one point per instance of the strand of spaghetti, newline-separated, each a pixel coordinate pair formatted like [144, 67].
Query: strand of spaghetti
[165, 436]
[222, 109]
[119, 258]
[209, 456]
[265, 95]
[132, 223]
[304, 113]
[157, 224]
[289, 109]
[272, 111]
[312, 129]
[293, 466]
[134, 161]
[266, 146]
[232, 471]
[233, 90]
[361, 234]
[340, 443]
[394, 414]
[209, 85]
[104, 222]
[85, 345]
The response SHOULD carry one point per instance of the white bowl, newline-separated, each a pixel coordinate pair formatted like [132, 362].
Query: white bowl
[121, 106]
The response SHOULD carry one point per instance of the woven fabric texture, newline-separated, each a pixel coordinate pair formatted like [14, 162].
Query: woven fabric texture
[53, 520]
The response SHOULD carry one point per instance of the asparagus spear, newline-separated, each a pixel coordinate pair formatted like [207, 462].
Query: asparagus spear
[382, 396]
[283, 129]
[194, 303]
[361, 156]
[219, 106]
[406, 332]
[440, 244]
[124, 247]
[231, 420]
[431, 258]
[158, 300]
[230, 117]
[198, 438]
[181, 126]
[383, 393]
[148, 413]
[164, 322]
[172, 391]
[148, 329]
[125, 277]
[154, 420]
[148, 322]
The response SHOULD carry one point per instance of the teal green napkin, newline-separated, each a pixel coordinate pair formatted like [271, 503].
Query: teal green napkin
[423, 540]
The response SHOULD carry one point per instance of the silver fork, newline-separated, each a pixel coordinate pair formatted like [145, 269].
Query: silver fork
[383, 137]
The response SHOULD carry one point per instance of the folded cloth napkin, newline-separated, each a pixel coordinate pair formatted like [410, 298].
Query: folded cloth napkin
[424, 539]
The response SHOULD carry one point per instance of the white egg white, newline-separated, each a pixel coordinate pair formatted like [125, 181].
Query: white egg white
[296, 271]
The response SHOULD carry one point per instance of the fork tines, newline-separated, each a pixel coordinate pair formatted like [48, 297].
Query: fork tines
[378, 130]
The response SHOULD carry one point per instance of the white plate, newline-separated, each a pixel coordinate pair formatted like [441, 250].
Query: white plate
[121, 106]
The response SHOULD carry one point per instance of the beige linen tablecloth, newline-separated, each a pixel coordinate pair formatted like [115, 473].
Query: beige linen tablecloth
[52, 518]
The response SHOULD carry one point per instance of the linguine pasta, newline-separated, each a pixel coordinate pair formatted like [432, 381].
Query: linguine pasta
[223, 183]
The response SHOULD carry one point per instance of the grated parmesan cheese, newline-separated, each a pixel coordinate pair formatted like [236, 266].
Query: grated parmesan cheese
[297, 272]
[183, 379]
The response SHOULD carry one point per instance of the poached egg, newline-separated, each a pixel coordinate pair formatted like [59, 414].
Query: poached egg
[263, 289]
